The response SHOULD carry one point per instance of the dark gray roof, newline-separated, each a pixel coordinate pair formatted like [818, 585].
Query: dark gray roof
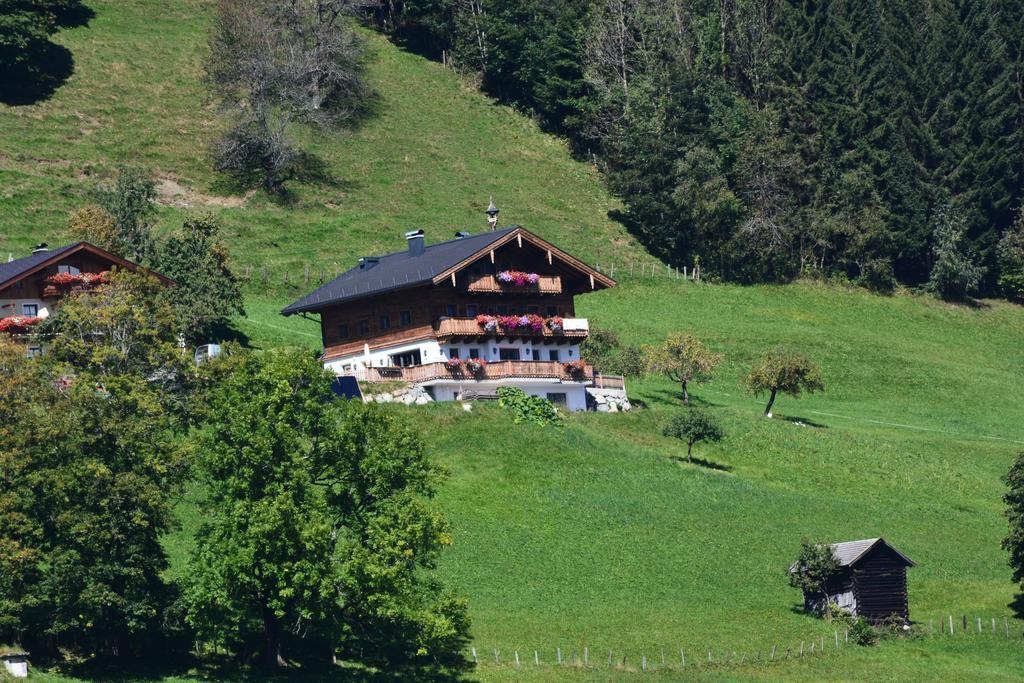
[396, 271]
[13, 269]
[849, 553]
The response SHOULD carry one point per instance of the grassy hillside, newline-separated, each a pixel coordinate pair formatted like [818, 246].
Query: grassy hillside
[429, 155]
[599, 536]
[594, 535]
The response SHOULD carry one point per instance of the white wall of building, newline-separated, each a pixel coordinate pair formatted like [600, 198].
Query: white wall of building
[432, 351]
[574, 400]
[9, 307]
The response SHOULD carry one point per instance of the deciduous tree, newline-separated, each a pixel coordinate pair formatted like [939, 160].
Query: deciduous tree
[317, 525]
[1014, 499]
[781, 370]
[683, 358]
[88, 473]
[954, 274]
[692, 426]
[814, 568]
[207, 292]
[272, 64]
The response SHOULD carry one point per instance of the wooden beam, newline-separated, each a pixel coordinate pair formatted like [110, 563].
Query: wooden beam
[492, 256]
[549, 257]
[519, 238]
[453, 280]
[591, 280]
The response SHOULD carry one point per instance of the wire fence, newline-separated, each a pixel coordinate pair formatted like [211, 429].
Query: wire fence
[653, 660]
[313, 274]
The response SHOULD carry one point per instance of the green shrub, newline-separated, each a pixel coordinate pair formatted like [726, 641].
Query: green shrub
[862, 633]
[877, 275]
[526, 408]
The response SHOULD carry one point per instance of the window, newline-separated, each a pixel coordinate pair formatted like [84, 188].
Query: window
[470, 310]
[30, 309]
[385, 322]
[559, 399]
[452, 310]
[474, 353]
[502, 310]
[34, 352]
[343, 331]
[554, 355]
[70, 270]
[364, 327]
[406, 317]
[404, 360]
[508, 354]
[552, 311]
[453, 353]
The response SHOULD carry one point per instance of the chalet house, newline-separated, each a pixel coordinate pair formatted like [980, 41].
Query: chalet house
[462, 317]
[31, 287]
[871, 581]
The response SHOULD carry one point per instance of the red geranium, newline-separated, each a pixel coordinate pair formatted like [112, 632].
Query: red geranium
[18, 324]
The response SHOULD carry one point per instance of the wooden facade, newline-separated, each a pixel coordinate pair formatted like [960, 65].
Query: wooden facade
[416, 313]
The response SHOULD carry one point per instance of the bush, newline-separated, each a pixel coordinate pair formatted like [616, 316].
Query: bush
[877, 275]
[862, 633]
[631, 361]
[526, 408]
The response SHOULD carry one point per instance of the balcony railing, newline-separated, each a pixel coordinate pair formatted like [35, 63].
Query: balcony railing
[572, 328]
[505, 369]
[547, 284]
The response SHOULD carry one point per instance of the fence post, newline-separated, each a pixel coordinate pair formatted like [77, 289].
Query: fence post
[950, 624]
[1006, 625]
[837, 639]
[558, 654]
[993, 624]
[773, 654]
[475, 660]
[305, 273]
[586, 656]
[536, 658]
[965, 623]
[517, 657]
[801, 648]
[979, 624]
[497, 660]
[643, 662]
[682, 658]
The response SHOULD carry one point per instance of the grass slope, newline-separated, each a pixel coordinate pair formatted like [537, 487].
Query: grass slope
[602, 538]
[429, 155]
[594, 535]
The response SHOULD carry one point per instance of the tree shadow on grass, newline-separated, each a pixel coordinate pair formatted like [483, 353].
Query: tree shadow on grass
[672, 397]
[701, 462]
[47, 65]
[802, 421]
[1017, 605]
[223, 668]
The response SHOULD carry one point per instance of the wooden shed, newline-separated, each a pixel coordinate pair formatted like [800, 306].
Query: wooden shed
[871, 581]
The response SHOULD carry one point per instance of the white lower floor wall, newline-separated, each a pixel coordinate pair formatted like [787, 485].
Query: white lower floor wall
[431, 351]
[571, 396]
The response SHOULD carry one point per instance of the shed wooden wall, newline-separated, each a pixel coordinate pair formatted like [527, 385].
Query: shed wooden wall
[880, 585]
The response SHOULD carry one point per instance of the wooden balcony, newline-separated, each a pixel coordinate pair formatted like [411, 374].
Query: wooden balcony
[488, 284]
[505, 369]
[575, 329]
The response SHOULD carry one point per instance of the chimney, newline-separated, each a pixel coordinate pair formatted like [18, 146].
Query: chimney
[42, 246]
[415, 240]
[492, 215]
[461, 235]
[367, 262]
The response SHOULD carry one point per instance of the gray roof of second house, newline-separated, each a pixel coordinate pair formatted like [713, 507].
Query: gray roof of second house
[14, 269]
[396, 271]
[849, 553]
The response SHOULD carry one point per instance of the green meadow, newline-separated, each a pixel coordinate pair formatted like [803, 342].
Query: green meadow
[595, 535]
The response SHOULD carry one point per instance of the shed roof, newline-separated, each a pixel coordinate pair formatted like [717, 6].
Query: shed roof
[401, 269]
[849, 553]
